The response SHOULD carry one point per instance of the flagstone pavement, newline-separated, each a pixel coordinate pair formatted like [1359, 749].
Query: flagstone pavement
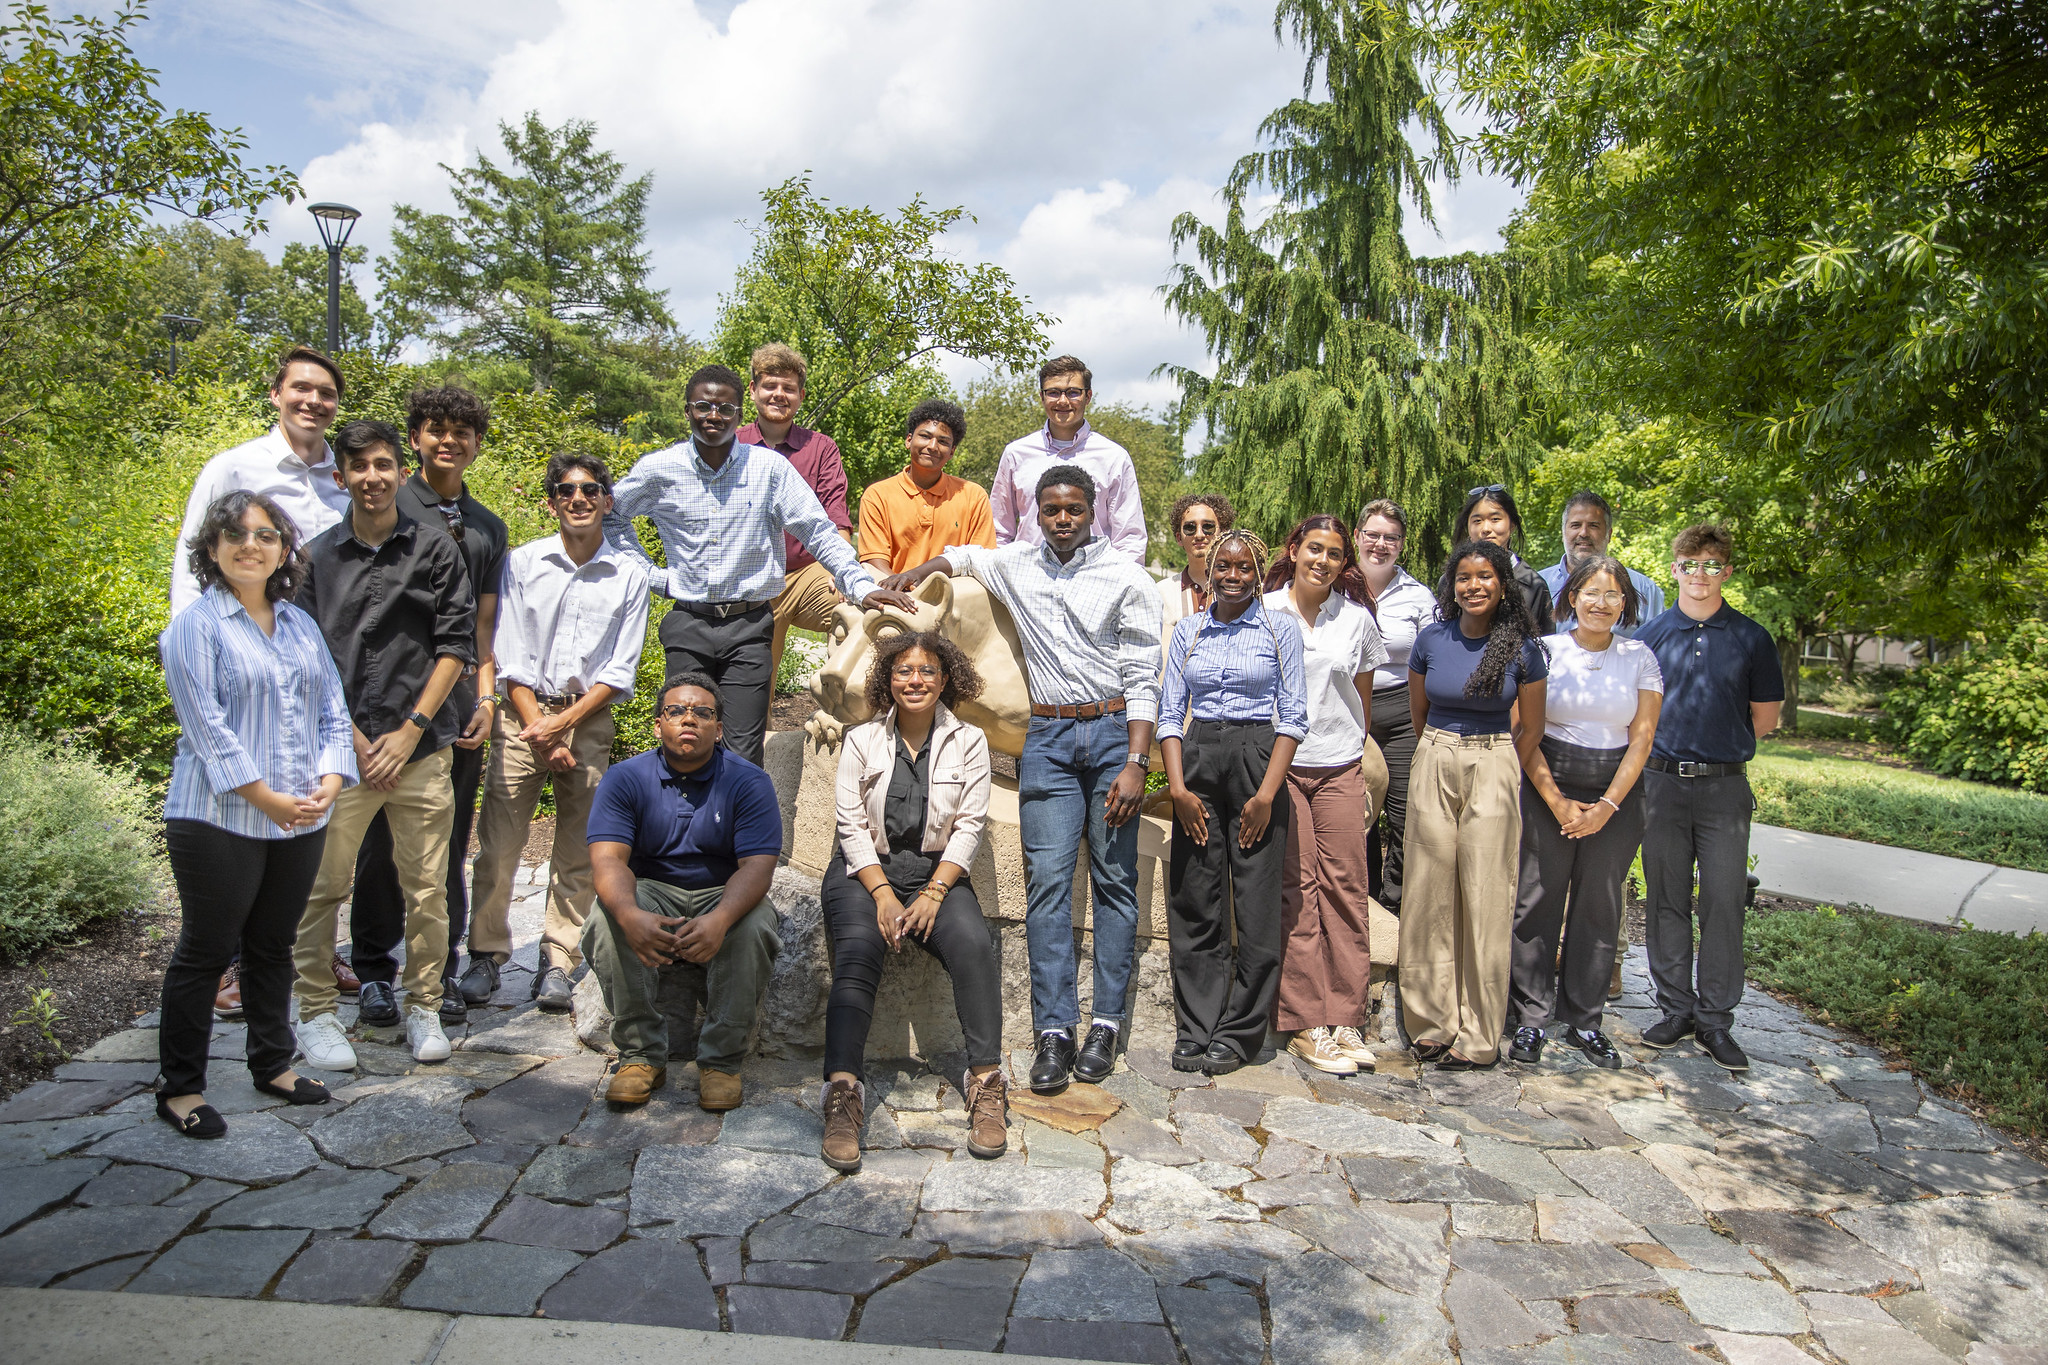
[1820, 1207]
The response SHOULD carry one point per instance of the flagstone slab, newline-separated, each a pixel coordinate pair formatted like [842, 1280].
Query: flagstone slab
[1079, 1108]
[1400, 1245]
[1737, 1303]
[1935, 1127]
[1242, 1252]
[220, 1264]
[1428, 1181]
[670, 1119]
[46, 1100]
[958, 1305]
[1141, 1343]
[326, 1197]
[1584, 1219]
[1216, 1328]
[345, 1270]
[126, 1185]
[1145, 1197]
[1487, 1315]
[258, 1148]
[975, 1186]
[487, 1277]
[720, 1190]
[71, 1239]
[28, 1191]
[1652, 1319]
[1533, 1270]
[448, 1206]
[393, 1127]
[537, 1223]
[873, 1202]
[762, 1311]
[1008, 1232]
[789, 1238]
[577, 1175]
[1326, 1311]
[1095, 1285]
[1632, 1186]
[1525, 1170]
[1814, 1255]
[539, 1106]
[1347, 1132]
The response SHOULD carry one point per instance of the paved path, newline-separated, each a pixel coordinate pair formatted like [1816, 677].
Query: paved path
[1820, 1208]
[1898, 881]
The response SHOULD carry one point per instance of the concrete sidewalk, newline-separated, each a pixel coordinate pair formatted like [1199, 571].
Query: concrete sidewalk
[1898, 881]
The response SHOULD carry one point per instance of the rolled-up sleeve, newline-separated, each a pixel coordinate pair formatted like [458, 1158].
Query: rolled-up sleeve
[1173, 699]
[804, 517]
[454, 603]
[1138, 651]
[191, 655]
[637, 495]
[623, 667]
[337, 731]
[1290, 707]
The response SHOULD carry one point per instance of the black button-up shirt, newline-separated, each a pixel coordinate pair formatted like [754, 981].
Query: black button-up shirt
[483, 541]
[389, 613]
[908, 867]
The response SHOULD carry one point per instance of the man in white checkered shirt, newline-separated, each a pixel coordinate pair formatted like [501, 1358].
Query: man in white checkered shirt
[1089, 619]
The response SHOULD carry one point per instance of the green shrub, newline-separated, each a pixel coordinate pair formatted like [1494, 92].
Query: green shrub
[1984, 715]
[76, 844]
[1823, 725]
[1797, 788]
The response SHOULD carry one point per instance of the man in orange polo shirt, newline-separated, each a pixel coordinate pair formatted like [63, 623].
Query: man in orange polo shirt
[913, 517]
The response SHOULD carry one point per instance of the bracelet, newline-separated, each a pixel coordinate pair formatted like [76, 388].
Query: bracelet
[1615, 808]
[936, 890]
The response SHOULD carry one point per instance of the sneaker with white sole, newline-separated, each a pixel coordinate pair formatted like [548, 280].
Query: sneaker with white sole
[1351, 1043]
[423, 1034]
[325, 1045]
[1316, 1047]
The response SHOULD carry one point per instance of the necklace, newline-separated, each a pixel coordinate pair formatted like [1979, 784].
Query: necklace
[1598, 656]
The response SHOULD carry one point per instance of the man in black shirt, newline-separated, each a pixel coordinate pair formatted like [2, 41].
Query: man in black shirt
[446, 427]
[393, 600]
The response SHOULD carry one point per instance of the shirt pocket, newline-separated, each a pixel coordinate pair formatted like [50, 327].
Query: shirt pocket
[948, 791]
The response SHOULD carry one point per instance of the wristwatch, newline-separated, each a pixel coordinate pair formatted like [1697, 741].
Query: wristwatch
[423, 722]
[1144, 761]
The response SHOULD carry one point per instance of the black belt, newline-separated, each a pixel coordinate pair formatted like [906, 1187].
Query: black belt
[562, 699]
[720, 611]
[1687, 768]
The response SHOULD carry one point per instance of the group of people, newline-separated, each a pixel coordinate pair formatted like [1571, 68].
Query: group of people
[356, 652]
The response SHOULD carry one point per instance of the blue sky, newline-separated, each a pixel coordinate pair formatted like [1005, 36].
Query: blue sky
[1074, 132]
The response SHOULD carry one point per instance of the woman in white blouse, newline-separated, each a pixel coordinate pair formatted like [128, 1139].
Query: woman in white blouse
[1582, 815]
[1327, 961]
[1402, 606]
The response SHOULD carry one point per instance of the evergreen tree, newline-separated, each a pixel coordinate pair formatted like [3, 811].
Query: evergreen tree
[1346, 368]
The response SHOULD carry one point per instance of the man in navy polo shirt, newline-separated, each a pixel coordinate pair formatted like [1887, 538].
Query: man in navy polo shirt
[1723, 690]
[683, 842]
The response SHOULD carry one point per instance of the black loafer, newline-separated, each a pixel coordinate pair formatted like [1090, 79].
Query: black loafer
[1053, 1062]
[454, 1009]
[1221, 1059]
[203, 1122]
[377, 1005]
[1097, 1057]
[480, 980]
[1667, 1032]
[1188, 1056]
[1720, 1044]
[1528, 1045]
[1597, 1049]
[305, 1090]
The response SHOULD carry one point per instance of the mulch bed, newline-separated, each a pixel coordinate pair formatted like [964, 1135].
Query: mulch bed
[111, 974]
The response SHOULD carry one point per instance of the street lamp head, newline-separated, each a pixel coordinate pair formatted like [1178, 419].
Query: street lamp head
[336, 222]
[174, 323]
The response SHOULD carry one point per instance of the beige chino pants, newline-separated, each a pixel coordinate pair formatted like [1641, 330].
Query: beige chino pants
[512, 786]
[1458, 894]
[806, 601]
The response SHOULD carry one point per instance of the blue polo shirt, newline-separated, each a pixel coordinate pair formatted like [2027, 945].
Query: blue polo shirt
[689, 830]
[1713, 670]
[1446, 658]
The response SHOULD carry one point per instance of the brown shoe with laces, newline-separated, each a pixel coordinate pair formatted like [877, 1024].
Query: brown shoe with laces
[844, 1115]
[635, 1083]
[227, 1001]
[988, 1134]
[345, 980]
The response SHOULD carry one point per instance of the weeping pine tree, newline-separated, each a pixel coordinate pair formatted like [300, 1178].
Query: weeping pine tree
[1346, 368]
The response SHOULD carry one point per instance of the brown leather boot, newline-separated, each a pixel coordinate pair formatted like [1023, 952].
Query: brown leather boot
[635, 1083]
[988, 1134]
[718, 1091]
[227, 1001]
[844, 1115]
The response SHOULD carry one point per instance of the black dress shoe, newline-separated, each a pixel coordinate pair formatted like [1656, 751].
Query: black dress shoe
[1188, 1056]
[1097, 1057]
[377, 1006]
[305, 1090]
[1598, 1050]
[552, 991]
[1666, 1032]
[1720, 1044]
[203, 1122]
[1528, 1045]
[1053, 1062]
[1221, 1059]
[480, 980]
[454, 1009]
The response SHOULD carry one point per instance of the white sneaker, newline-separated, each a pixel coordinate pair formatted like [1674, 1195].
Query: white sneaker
[325, 1045]
[423, 1034]
[1316, 1047]
[1351, 1043]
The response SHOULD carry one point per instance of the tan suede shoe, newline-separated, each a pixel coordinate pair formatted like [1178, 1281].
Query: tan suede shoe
[635, 1083]
[718, 1091]
[844, 1114]
[987, 1132]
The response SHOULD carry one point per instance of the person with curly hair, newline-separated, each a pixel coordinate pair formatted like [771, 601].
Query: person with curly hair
[1489, 513]
[1475, 691]
[264, 748]
[912, 803]
[1196, 521]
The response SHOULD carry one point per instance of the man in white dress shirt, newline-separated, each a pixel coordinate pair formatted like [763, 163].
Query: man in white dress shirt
[1065, 387]
[289, 464]
[572, 620]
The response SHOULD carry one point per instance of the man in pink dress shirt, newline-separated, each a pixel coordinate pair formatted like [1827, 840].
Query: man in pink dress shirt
[1065, 387]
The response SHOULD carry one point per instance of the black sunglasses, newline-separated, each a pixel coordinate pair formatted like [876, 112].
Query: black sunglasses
[593, 491]
[1486, 488]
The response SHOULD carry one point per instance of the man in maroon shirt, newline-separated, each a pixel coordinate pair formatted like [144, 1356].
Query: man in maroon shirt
[777, 386]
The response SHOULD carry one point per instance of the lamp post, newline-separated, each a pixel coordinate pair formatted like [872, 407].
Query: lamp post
[336, 222]
[173, 322]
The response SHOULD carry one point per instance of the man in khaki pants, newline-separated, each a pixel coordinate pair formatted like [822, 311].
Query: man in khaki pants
[570, 630]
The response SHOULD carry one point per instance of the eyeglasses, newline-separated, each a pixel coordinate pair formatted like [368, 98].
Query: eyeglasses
[677, 712]
[1379, 538]
[1712, 568]
[1486, 488]
[239, 535]
[1609, 598]
[704, 407]
[566, 491]
[1198, 528]
[452, 514]
[1069, 394]
[905, 672]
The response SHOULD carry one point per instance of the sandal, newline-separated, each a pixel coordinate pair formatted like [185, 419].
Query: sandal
[305, 1090]
[203, 1122]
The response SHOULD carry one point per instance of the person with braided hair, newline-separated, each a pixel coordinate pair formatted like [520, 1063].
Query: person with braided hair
[1475, 691]
[1233, 709]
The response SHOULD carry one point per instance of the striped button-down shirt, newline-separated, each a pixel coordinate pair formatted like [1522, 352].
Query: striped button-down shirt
[1090, 627]
[251, 706]
[267, 465]
[1119, 511]
[1247, 669]
[563, 629]
[721, 529]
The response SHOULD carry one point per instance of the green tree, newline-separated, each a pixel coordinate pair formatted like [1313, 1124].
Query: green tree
[1345, 367]
[870, 300]
[197, 272]
[542, 270]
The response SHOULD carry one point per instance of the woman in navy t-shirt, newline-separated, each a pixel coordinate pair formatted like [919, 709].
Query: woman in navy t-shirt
[1475, 688]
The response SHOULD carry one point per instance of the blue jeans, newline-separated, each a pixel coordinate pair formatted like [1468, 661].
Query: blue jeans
[1065, 774]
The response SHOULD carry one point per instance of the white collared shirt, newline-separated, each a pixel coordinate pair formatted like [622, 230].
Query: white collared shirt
[563, 629]
[1403, 610]
[1119, 511]
[1341, 643]
[267, 465]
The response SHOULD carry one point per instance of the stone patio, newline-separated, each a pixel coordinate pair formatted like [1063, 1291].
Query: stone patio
[1822, 1207]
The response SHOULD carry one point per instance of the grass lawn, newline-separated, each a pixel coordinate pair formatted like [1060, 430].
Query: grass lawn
[1967, 1009]
[1801, 787]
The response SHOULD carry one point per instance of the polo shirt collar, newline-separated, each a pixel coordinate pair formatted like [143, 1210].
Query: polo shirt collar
[1720, 620]
[707, 772]
[425, 492]
[797, 439]
[912, 489]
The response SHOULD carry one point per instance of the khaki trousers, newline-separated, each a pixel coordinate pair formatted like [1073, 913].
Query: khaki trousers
[1458, 901]
[1326, 966]
[421, 813]
[512, 786]
[806, 601]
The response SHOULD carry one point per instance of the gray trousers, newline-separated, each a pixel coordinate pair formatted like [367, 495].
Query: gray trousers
[1698, 822]
[738, 652]
[1585, 874]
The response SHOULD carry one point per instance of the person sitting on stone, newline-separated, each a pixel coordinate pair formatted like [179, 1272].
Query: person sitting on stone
[912, 802]
[683, 843]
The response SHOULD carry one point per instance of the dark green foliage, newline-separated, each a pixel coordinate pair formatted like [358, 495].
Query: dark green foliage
[197, 272]
[1968, 1009]
[1983, 715]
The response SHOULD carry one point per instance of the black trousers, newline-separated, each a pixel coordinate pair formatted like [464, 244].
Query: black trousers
[234, 893]
[1221, 994]
[738, 653]
[1589, 876]
[376, 916]
[959, 939]
[1698, 822]
[1393, 729]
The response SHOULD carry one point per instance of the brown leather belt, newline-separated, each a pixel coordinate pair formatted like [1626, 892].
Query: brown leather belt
[1087, 710]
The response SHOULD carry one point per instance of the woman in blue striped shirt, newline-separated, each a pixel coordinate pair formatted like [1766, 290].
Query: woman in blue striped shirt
[265, 745]
[1234, 707]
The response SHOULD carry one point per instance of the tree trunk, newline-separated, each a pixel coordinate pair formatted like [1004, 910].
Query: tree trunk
[1788, 667]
